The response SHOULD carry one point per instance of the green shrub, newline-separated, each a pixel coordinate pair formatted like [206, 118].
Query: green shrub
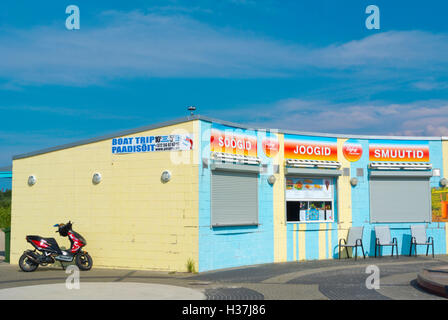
[190, 266]
[5, 209]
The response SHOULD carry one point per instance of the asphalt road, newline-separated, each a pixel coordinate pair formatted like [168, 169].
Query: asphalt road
[317, 280]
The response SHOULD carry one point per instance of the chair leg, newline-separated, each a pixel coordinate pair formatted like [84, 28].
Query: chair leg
[392, 251]
[396, 247]
[375, 248]
[346, 251]
[410, 251]
[427, 249]
[362, 249]
[432, 249]
[356, 252]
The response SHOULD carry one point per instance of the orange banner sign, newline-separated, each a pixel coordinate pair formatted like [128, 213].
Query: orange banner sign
[228, 141]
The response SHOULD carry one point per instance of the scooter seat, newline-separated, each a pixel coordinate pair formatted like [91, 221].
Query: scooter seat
[52, 242]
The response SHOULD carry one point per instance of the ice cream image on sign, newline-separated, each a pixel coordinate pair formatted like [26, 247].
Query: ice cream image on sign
[327, 184]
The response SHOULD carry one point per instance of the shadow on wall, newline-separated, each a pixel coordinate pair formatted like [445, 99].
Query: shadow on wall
[405, 244]
[344, 251]
[372, 244]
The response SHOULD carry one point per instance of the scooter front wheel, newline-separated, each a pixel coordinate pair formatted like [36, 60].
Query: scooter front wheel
[84, 261]
[26, 264]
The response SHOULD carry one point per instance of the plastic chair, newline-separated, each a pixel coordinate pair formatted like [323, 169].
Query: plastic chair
[354, 239]
[383, 238]
[418, 237]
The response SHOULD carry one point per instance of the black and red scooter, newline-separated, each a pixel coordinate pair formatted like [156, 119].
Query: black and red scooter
[50, 251]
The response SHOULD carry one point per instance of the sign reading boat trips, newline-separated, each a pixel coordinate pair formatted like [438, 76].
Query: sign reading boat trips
[175, 142]
[409, 151]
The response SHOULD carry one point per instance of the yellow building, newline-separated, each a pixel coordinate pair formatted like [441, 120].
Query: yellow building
[234, 196]
[130, 219]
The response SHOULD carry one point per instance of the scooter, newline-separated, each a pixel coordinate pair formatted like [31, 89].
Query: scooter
[50, 251]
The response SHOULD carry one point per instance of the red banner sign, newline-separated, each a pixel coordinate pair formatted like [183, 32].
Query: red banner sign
[398, 153]
[310, 149]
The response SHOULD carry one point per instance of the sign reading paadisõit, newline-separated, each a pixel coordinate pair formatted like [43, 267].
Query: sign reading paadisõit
[176, 142]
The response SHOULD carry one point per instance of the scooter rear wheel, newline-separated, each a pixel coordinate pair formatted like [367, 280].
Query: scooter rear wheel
[26, 264]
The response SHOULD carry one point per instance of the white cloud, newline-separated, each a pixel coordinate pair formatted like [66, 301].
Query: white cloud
[168, 43]
[431, 84]
[422, 118]
[393, 49]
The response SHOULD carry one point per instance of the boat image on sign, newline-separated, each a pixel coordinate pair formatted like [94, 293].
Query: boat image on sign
[50, 251]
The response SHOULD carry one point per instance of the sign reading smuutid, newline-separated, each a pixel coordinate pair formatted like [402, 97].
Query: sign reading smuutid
[412, 151]
[176, 142]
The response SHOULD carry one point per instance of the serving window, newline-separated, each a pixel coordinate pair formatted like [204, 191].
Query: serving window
[309, 199]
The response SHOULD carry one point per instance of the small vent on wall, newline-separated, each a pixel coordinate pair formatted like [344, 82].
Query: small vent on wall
[346, 172]
[264, 168]
[359, 172]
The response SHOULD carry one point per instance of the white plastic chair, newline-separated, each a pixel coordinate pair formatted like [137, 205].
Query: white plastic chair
[418, 237]
[354, 239]
[383, 238]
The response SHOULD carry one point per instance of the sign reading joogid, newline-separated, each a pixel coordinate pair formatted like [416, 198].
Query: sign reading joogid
[175, 142]
[311, 148]
[233, 141]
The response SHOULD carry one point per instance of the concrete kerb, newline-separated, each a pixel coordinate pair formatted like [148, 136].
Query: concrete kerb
[102, 291]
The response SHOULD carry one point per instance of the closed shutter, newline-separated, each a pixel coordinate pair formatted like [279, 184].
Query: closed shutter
[400, 199]
[234, 198]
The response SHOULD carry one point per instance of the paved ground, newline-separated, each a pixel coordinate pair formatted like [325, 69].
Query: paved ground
[329, 279]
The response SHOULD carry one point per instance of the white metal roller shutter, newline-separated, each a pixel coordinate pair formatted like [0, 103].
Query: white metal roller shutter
[400, 199]
[234, 198]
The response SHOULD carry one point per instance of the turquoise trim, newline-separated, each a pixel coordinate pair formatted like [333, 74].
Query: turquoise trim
[225, 247]
[6, 174]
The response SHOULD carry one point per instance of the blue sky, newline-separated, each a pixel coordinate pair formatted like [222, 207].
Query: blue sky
[303, 65]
